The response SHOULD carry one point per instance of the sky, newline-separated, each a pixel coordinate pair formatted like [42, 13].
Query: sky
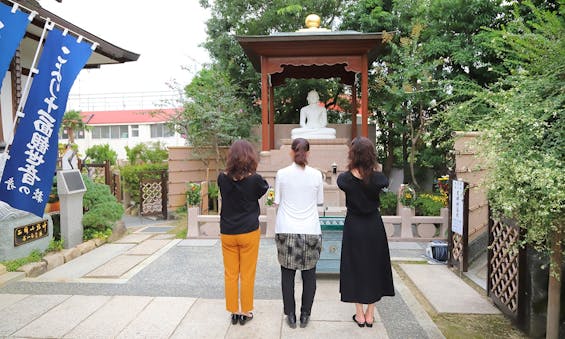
[166, 34]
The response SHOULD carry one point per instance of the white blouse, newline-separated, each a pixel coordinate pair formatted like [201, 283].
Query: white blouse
[298, 192]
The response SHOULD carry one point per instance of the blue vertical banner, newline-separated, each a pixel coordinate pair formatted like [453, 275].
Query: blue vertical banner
[28, 174]
[13, 24]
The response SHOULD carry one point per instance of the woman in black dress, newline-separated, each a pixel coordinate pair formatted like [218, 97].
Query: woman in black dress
[365, 270]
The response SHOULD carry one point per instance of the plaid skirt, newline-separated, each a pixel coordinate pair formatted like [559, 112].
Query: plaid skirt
[298, 251]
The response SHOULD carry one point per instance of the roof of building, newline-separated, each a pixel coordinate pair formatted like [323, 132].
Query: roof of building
[136, 116]
[105, 52]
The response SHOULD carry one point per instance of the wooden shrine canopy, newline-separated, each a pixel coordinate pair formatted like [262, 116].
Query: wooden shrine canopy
[311, 54]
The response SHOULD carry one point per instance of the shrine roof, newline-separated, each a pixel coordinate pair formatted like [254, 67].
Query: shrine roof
[311, 44]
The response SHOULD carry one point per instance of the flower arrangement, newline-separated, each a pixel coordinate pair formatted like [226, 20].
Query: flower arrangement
[407, 196]
[443, 184]
[193, 197]
[270, 197]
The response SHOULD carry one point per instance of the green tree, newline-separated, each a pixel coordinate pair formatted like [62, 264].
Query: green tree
[153, 152]
[102, 153]
[524, 133]
[72, 121]
[242, 17]
[212, 116]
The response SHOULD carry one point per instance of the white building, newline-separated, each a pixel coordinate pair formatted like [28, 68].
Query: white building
[125, 128]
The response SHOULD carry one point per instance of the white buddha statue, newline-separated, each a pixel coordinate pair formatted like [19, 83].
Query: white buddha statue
[313, 121]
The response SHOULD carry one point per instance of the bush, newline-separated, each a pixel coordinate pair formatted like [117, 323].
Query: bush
[429, 204]
[388, 203]
[193, 194]
[153, 152]
[130, 176]
[103, 210]
[100, 153]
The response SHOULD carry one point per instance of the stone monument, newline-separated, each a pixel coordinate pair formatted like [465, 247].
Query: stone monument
[313, 120]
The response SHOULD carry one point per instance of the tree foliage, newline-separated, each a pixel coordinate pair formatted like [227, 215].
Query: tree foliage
[212, 115]
[72, 121]
[524, 137]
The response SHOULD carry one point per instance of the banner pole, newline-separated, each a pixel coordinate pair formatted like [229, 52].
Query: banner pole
[19, 114]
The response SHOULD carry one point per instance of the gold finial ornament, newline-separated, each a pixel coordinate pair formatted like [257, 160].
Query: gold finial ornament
[312, 21]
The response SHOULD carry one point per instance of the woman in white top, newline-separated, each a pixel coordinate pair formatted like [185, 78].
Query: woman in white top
[298, 192]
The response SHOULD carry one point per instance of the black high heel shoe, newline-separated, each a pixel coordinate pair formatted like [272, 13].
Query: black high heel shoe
[358, 323]
[245, 318]
[234, 318]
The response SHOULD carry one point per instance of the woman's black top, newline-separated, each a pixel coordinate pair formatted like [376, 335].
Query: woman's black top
[240, 205]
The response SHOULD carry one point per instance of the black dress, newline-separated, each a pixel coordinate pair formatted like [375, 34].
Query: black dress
[365, 271]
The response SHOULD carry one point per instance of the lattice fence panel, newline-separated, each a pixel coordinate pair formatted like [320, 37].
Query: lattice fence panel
[457, 251]
[151, 197]
[504, 265]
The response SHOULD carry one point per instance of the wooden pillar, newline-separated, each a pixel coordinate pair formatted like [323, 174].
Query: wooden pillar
[353, 111]
[364, 96]
[271, 117]
[264, 106]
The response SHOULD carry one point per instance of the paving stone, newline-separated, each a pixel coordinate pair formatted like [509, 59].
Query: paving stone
[63, 318]
[266, 312]
[134, 238]
[33, 269]
[334, 330]
[163, 236]
[441, 287]
[110, 319]
[10, 277]
[84, 264]
[86, 246]
[117, 266]
[21, 313]
[71, 253]
[9, 299]
[207, 318]
[159, 319]
[54, 260]
[148, 247]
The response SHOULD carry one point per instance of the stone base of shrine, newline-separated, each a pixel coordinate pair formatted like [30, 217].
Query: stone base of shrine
[324, 154]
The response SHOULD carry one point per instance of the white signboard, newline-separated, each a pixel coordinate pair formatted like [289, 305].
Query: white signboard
[457, 196]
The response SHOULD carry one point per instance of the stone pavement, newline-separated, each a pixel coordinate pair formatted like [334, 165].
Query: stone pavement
[148, 284]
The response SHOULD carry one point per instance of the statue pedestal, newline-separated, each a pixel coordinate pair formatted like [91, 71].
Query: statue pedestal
[323, 154]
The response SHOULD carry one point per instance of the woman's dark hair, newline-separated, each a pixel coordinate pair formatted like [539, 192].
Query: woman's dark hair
[362, 156]
[242, 160]
[300, 146]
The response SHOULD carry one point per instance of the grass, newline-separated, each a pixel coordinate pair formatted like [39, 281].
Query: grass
[468, 326]
[180, 229]
[13, 265]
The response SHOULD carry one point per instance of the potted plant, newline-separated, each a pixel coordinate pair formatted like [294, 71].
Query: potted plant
[53, 204]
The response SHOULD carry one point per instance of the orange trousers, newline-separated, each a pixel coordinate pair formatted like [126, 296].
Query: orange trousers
[240, 253]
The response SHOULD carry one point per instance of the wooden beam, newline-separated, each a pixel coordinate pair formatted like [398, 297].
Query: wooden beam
[264, 106]
[271, 117]
[353, 112]
[365, 97]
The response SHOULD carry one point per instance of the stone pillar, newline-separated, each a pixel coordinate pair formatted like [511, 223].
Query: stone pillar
[193, 231]
[406, 214]
[271, 221]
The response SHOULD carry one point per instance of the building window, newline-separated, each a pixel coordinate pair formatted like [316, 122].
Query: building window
[160, 131]
[135, 131]
[78, 134]
[110, 132]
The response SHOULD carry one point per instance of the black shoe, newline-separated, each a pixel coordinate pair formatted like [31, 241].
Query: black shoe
[244, 318]
[358, 323]
[234, 318]
[291, 320]
[304, 317]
